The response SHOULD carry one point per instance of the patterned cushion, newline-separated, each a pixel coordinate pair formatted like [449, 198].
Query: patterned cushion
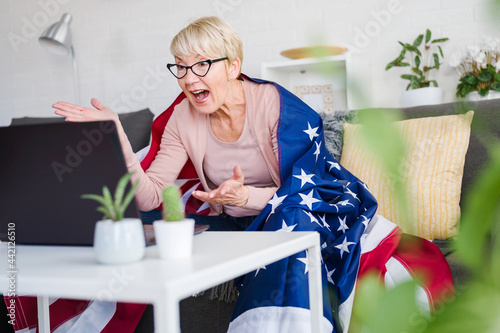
[432, 170]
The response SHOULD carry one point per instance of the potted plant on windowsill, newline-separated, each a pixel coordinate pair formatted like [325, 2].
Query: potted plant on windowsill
[117, 239]
[421, 89]
[174, 234]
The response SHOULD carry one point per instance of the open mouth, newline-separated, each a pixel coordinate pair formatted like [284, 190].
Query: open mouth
[200, 95]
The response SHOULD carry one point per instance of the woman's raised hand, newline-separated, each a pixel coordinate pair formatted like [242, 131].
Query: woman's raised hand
[76, 113]
[231, 192]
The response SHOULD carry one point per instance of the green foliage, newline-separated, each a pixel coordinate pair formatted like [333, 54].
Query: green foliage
[172, 207]
[475, 243]
[379, 134]
[114, 208]
[480, 79]
[373, 301]
[473, 309]
[428, 59]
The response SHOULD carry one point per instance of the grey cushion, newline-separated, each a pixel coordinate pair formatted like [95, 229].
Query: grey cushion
[137, 125]
[334, 132]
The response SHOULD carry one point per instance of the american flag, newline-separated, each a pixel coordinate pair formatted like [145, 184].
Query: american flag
[317, 194]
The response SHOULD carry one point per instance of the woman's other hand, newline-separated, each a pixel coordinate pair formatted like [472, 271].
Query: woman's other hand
[231, 192]
[76, 113]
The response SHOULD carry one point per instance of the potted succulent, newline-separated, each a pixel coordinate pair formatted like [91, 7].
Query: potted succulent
[117, 239]
[478, 68]
[174, 234]
[421, 89]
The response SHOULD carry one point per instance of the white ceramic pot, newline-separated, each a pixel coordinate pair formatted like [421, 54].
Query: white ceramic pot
[174, 240]
[422, 96]
[119, 242]
[474, 96]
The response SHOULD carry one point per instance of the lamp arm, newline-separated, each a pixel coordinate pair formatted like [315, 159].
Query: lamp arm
[75, 77]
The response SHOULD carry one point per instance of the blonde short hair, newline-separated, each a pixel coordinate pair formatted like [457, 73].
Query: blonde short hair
[210, 37]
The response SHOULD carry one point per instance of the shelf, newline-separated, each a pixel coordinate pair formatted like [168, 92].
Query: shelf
[320, 82]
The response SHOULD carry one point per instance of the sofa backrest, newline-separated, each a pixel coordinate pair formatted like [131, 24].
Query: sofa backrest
[486, 120]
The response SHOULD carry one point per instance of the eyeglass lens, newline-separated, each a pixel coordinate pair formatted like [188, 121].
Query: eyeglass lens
[200, 68]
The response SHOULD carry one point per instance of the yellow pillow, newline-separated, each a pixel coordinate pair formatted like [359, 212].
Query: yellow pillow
[432, 170]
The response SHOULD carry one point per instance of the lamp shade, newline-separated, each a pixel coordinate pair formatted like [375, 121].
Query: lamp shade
[57, 37]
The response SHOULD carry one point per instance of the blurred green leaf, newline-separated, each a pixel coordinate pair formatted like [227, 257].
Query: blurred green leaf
[481, 205]
[427, 36]
[483, 92]
[496, 86]
[417, 62]
[380, 135]
[440, 40]
[418, 41]
[394, 310]
[484, 76]
[440, 51]
[436, 60]
[469, 79]
[476, 309]
[120, 188]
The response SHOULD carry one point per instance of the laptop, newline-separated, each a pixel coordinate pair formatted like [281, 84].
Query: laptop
[45, 169]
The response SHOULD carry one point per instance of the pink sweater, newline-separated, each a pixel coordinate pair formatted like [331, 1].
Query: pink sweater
[185, 136]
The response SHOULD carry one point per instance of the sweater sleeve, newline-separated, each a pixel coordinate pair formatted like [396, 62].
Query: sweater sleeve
[163, 170]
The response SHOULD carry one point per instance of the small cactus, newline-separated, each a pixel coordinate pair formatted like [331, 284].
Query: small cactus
[172, 207]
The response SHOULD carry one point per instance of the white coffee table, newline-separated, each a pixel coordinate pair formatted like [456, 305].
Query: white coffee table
[72, 272]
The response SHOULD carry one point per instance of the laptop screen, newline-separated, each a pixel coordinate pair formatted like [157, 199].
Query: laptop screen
[44, 170]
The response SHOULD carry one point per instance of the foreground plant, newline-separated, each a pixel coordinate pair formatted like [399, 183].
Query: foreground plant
[114, 208]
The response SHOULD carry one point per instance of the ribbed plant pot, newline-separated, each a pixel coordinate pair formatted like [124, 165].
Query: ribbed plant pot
[474, 96]
[174, 239]
[422, 96]
[119, 242]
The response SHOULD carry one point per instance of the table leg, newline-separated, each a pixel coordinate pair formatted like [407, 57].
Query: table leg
[167, 316]
[315, 288]
[43, 314]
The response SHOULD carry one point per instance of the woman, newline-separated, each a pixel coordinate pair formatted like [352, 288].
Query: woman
[259, 154]
[218, 126]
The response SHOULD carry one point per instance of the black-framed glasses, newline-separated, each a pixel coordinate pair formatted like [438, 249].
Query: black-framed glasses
[200, 68]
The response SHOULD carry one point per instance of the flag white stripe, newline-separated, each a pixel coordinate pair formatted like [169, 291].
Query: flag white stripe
[275, 319]
[94, 318]
[378, 229]
[397, 274]
[345, 310]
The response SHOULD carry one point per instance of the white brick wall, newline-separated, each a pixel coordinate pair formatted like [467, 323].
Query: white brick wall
[122, 46]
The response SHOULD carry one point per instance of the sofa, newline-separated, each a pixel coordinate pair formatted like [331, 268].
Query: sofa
[486, 119]
[204, 314]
